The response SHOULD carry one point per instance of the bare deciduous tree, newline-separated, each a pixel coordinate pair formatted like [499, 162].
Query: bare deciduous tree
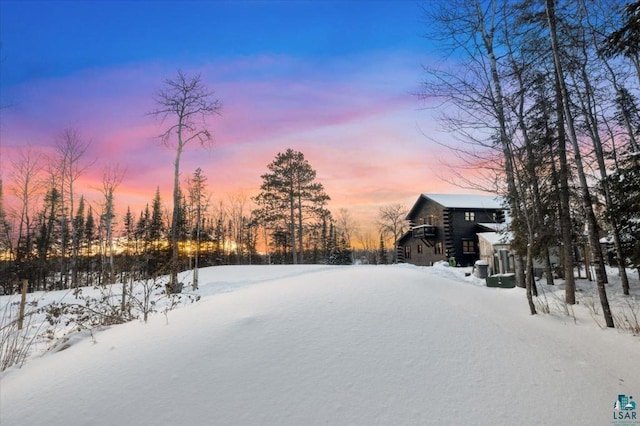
[237, 220]
[366, 239]
[70, 149]
[391, 221]
[346, 225]
[27, 184]
[186, 102]
[111, 179]
[586, 198]
[478, 92]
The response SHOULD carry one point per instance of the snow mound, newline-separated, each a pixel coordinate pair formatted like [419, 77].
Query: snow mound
[363, 345]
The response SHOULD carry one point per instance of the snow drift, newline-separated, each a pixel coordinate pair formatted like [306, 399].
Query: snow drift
[307, 345]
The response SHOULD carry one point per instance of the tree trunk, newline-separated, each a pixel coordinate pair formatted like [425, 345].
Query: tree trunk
[614, 222]
[197, 254]
[548, 270]
[174, 216]
[300, 231]
[564, 211]
[588, 106]
[529, 281]
[592, 226]
[292, 225]
[505, 143]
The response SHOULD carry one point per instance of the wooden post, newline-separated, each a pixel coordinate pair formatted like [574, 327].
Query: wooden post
[23, 302]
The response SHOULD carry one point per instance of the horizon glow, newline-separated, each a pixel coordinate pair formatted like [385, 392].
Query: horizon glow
[333, 80]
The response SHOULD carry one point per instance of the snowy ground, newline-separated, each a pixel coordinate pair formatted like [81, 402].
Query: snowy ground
[361, 345]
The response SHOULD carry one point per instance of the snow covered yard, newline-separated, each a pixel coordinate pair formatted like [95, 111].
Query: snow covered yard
[363, 345]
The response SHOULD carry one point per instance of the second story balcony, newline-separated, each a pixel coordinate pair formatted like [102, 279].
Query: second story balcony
[424, 231]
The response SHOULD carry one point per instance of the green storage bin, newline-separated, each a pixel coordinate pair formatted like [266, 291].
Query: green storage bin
[502, 281]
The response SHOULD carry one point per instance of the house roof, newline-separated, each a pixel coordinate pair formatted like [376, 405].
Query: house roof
[404, 237]
[496, 238]
[492, 226]
[458, 201]
[462, 201]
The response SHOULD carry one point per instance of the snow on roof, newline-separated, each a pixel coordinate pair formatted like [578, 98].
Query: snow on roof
[496, 238]
[462, 201]
[497, 227]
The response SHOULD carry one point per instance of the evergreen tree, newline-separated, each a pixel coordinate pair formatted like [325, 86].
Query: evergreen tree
[154, 236]
[382, 252]
[76, 240]
[156, 227]
[129, 229]
[141, 233]
[290, 196]
[5, 240]
[341, 253]
[626, 39]
[625, 189]
[48, 235]
[182, 219]
[90, 231]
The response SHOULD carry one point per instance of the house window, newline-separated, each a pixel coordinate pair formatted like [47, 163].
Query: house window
[468, 246]
[407, 252]
[429, 220]
[470, 216]
[438, 248]
[419, 248]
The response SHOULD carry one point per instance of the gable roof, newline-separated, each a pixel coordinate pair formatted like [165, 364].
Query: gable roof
[458, 201]
[466, 201]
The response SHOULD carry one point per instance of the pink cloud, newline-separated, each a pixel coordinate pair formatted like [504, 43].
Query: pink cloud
[356, 127]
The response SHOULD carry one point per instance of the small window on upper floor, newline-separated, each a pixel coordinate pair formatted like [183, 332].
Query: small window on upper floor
[470, 216]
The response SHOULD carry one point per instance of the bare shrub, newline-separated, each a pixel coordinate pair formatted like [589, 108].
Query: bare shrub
[15, 341]
[592, 305]
[542, 305]
[627, 318]
[541, 302]
[562, 306]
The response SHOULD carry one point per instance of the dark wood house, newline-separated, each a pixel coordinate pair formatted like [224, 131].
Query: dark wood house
[443, 226]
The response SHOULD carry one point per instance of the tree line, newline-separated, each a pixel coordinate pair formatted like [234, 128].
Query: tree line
[543, 93]
[42, 242]
[54, 238]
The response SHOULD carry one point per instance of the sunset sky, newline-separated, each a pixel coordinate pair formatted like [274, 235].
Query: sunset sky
[335, 80]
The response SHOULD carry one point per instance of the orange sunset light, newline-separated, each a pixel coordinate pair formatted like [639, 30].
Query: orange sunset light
[342, 98]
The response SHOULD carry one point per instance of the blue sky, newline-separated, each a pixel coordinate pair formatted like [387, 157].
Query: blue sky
[55, 38]
[335, 80]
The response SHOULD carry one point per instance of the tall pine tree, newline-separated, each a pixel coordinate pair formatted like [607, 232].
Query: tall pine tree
[291, 196]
